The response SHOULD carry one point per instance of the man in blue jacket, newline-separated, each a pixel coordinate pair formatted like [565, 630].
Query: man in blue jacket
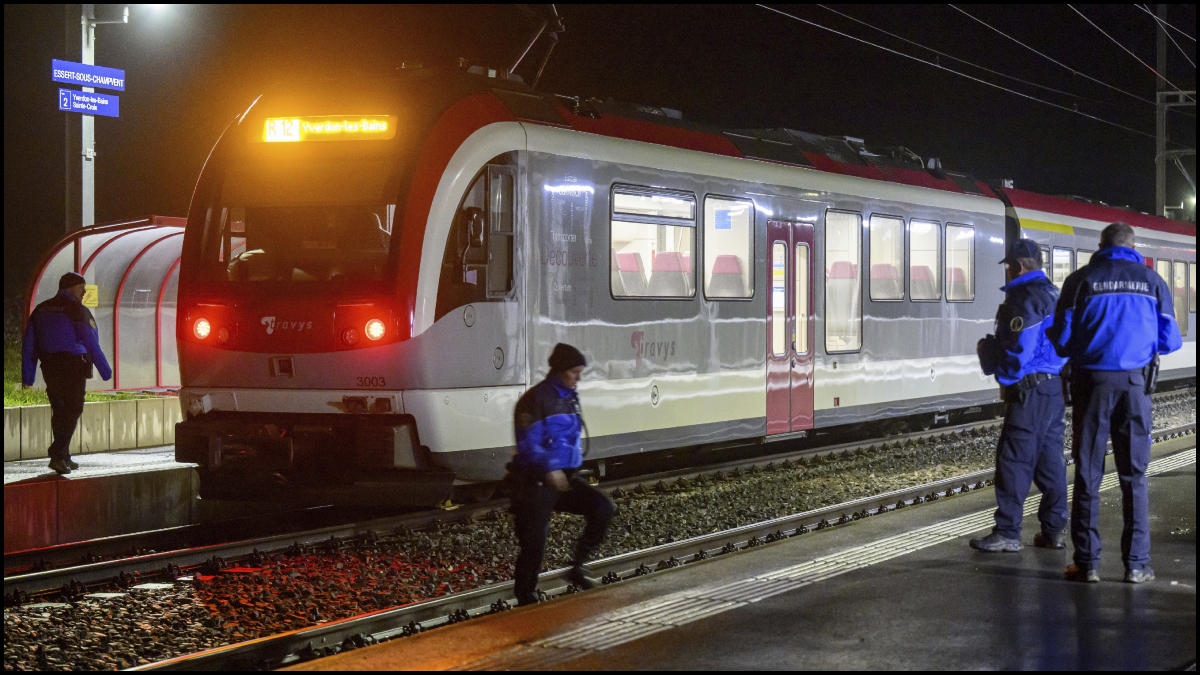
[548, 425]
[61, 333]
[1114, 318]
[1031, 440]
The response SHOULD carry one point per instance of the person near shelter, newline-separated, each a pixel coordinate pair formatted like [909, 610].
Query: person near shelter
[61, 333]
[543, 474]
[1031, 441]
[1114, 319]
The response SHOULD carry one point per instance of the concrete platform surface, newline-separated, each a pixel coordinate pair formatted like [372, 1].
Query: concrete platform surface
[110, 493]
[96, 464]
[902, 591]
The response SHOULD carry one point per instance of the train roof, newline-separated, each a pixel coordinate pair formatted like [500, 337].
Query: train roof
[1099, 213]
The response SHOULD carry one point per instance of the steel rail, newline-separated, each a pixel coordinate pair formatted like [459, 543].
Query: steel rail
[326, 639]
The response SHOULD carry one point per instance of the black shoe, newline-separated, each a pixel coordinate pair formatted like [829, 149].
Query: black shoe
[1056, 541]
[1077, 573]
[1139, 576]
[59, 466]
[579, 579]
[996, 543]
[72, 464]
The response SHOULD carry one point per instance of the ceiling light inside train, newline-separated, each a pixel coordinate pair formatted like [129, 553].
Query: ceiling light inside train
[374, 329]
[202, 328]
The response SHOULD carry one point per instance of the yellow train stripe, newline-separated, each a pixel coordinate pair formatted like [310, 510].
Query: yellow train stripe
[1030, 224]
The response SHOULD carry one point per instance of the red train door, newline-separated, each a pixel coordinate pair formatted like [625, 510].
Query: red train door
[789, 327]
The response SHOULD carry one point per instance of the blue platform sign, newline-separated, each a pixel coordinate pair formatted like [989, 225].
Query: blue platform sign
[87, 76]
[89, 103]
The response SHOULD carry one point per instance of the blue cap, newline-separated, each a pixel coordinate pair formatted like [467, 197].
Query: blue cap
[1023, 248]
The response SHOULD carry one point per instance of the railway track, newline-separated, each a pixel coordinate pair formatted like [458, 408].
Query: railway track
[330, 638]
[154, 551]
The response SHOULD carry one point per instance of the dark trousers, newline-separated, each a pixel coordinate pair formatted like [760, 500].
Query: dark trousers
[1111, 403]
[66, 378]
[532, 505]
[1031, 450]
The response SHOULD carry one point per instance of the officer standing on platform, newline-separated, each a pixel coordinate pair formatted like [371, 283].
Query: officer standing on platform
[1031, 441]
[549, 424]
[61, 333]
[1114, 318]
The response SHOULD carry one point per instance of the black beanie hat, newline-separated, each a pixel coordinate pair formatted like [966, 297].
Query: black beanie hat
[565, 357]
[70, 279]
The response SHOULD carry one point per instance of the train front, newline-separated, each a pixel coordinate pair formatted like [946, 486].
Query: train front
[290, 312]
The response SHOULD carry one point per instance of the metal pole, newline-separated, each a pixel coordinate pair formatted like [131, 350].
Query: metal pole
[1160, 120]
[87, 204]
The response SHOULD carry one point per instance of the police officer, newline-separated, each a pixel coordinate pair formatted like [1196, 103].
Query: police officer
[61, 333]
[543, 476]
[1031, 440]
[1114, 318]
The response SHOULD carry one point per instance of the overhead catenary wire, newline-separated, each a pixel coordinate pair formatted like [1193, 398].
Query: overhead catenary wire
[955, 58]
[1127, 51]
[1165, 22]
[960, 74]
[1050, 58]
[1165, 32]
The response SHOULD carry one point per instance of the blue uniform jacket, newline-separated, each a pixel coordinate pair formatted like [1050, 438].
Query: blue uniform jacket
[1020, 346]
[548, 424]
[61, 325]
[1115, 313]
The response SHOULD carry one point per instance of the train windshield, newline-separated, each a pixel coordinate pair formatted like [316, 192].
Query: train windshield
[301, 222]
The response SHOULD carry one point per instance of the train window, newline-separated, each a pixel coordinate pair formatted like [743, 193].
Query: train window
[1163, 267]
[924, 260]
[960, 263]
[887, 258]
[653, 239]
[728, 248]
[1047, 265]
[800, 334]
[843, 278]
[1082, 258]
[500, 236]
[779, 298]
[1179, 295]
[1061, 266]
[1192, 287]
[477, 264]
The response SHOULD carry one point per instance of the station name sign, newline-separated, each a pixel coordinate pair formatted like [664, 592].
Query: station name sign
[85, 75]
[89, 103]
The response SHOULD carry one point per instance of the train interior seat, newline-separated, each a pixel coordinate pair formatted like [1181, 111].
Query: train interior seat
[885, 282]
[618, 284]
[669, 277]
[727, 280]
[633, 273]
[958, 288]
[923, 283]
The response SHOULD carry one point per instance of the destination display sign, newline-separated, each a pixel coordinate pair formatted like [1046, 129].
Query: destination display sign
[89, 103]
[86, 75]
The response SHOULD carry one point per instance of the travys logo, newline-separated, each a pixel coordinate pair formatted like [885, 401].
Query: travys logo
[655, 349]
[294, 326]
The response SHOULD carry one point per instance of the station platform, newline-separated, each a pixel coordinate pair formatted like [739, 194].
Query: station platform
[901, 591]
[111, 493]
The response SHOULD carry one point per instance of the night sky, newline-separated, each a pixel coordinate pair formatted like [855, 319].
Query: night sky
[191, 69]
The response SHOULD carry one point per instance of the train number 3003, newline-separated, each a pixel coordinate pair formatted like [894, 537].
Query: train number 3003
[371, 382]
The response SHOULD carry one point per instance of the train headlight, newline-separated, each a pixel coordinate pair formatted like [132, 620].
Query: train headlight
[374, 329]
[202, 328]
[350, 337]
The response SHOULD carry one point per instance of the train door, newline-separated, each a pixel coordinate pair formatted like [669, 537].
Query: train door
[789, 327]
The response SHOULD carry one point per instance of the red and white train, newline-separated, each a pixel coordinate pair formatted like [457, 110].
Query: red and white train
[374, 272]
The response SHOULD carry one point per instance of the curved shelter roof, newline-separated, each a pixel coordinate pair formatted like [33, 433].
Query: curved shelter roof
[134, 267]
